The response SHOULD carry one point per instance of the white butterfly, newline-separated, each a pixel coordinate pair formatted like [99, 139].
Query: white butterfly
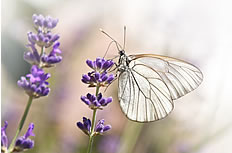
[148, 84]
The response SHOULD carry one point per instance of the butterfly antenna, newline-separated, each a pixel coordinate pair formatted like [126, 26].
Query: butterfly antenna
[113, 40]
[108, 48]
[124, 38]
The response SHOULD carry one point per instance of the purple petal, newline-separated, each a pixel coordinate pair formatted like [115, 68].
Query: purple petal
[30, 131]
[90, 64]
[106, 128]
[80, 125]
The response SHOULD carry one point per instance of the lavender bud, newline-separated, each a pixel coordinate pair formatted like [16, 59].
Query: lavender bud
[90, 64]
[23, 142]
[110, 78]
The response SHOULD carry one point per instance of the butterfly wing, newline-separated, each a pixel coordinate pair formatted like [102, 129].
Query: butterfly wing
[151, 83]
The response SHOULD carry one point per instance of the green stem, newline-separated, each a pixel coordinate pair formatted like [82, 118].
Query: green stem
[41, 53]
[130, 137]
[21, 123]
[91, 137]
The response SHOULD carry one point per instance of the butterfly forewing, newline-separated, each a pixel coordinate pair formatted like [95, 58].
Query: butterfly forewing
[150, 83]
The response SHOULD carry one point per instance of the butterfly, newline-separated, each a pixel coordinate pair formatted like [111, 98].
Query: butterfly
[148, 83]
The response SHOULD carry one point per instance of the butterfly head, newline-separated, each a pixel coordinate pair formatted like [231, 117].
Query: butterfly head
[121, 52]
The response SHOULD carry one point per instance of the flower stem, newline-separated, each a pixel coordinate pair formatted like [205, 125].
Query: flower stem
[42, 51]
[130, 137]
[90, 145]
[21, 123]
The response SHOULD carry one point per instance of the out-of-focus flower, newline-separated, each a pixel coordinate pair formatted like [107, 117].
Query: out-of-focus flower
[109, 144]
[100, 127]
[23, 142]
[96, 102]
[85, 126]
[4, 139]
[42, 39]
[52, 58]
[32, 57]
[44, 22]
[35, 83]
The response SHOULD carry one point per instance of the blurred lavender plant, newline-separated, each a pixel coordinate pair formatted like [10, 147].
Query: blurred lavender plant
[109, 144]
[35, 83]
[97, 78]
[22, 143]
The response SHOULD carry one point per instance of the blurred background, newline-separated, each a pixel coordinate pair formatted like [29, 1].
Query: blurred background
[197, 31]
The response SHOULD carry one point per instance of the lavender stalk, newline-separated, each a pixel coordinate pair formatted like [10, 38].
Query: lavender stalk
[35, 83]
[96, 78]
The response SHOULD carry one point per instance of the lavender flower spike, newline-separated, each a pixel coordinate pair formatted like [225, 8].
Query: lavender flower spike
[4, 139]
[23, 142]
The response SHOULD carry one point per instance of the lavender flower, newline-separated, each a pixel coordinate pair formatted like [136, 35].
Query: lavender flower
[32, 57]
[99, 76]
[43, 38]
[96, 102]
[85, 126]
[100, 127]
[23, 142]
[44, 22]
[100, 64]
[52, 58]
[35, 83]
[4, 139]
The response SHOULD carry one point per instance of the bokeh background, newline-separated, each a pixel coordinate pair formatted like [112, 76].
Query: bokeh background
[198, 31]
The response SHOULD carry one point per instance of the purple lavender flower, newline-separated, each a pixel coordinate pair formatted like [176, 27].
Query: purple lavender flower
[85, 126]
[100, 127]
[95, 78]
[4, 139]
[52, 58]
[99, 76]
[32, 57]
[35, 83]
[100, 64]
[96, 102]
[44, 22]
[42, 39]
[23, 142]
